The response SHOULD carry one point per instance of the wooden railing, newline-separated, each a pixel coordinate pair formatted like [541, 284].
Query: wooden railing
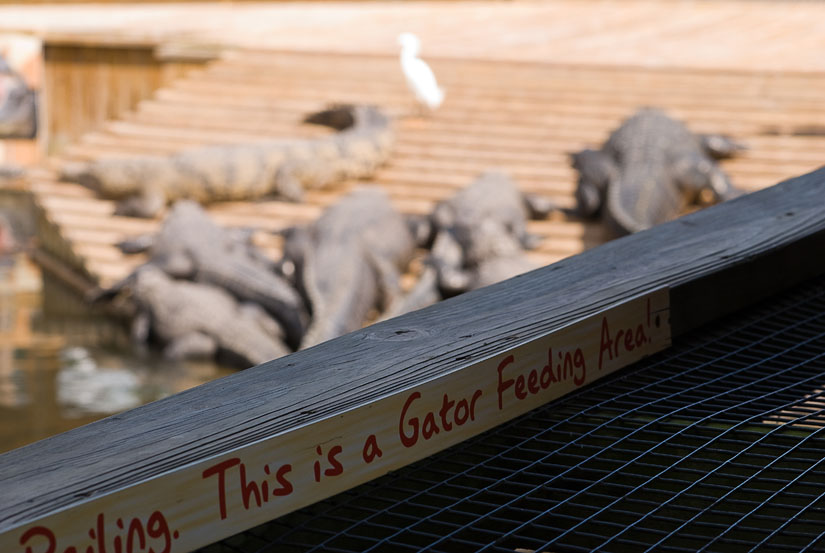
[212, 461]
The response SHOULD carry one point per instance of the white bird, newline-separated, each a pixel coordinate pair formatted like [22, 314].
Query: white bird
[420, 78]
[85, 388]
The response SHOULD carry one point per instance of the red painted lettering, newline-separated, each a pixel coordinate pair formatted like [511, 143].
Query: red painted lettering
[628, 341]
[118, 539]
[285, 485]
[220, 469]
[503, 384]
[641, 337]
[547, 371]
[408, 441]
[316, 467]
[371, 449]
[578, 362]
[648, 312]
[135, 529]
[462, 411]
[445, 408]
[566, 367]
[571, 365]
[158, 528]
[248, 489]
[135, 537]
[429, 428]
[532, 382]
[616, 343]
[605, 343]
[451, 413]
[336, 466]
[41, 531]
[101, 534]
[520, 393]
[476, 396]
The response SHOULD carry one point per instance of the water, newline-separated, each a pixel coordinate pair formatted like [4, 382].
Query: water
[52, 382]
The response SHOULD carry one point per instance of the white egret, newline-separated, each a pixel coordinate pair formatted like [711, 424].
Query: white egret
[420, 78]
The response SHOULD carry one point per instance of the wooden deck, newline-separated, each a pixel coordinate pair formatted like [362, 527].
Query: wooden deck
[524, 118]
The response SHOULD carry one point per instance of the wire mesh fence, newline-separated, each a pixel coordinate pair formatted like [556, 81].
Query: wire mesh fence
[716, 444]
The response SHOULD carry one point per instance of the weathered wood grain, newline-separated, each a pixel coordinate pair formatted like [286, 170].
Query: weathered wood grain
[774, 238]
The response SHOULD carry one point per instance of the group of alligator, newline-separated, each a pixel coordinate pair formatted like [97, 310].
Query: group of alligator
[207, 289]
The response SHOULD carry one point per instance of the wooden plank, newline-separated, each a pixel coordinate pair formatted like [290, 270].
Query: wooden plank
[170, 466]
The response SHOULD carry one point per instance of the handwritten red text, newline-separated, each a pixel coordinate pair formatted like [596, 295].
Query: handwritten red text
[412, 427]
[625, 340]
[136, 537]
[250, 490]
[568, 365]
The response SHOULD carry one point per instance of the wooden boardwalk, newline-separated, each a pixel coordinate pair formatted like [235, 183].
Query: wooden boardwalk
[524, 118]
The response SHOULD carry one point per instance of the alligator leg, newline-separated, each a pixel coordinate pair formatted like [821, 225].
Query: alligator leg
[596, 170]
[388, 280]
[721, 186]
[193, 344]
[538, 207]
[696, 173]
[176, 264]
[530, 241]
[453, 281]
[287, 185]
[719, 146]
[422, 229]
[424, 293]
[137, 244]
[448, 259]
[258, 314]
[149, 203]
[139, 332]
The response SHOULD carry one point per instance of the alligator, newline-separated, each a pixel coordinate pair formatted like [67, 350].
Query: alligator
[492, 199]
[284, 168]
[504, 258]
[198, 320]
[649, 169]
[478, 238]
[190, 245]
[348, 262]
[18, 105]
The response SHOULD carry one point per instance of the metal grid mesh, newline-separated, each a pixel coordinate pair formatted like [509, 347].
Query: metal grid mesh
[716, 444]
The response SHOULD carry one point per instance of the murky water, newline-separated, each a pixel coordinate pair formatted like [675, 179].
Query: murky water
[50, 383]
